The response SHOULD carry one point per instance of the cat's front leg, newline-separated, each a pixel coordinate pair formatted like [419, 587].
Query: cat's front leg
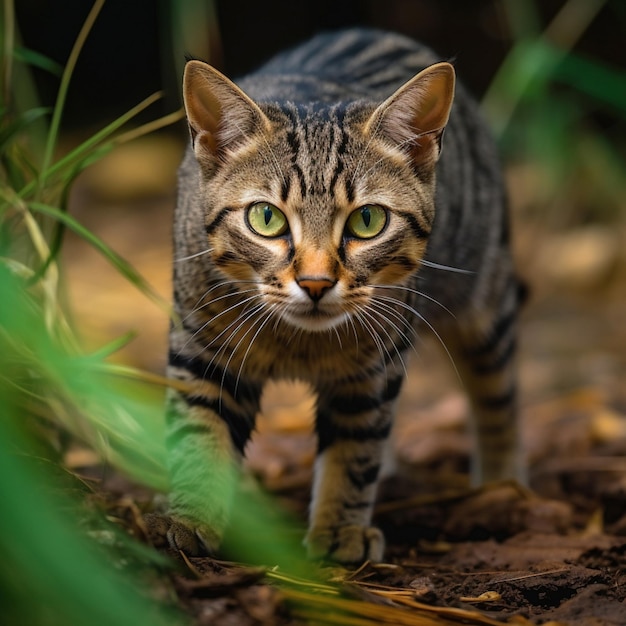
[206, 433]
[353, 428]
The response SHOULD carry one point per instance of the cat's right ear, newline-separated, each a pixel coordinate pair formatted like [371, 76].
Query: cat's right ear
[220, 114]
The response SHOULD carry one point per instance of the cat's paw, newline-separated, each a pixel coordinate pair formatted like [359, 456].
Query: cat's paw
[181, 534]
[346, 544]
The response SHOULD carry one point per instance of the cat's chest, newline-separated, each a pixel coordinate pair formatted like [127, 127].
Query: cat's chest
[321, 359]
[235, 332]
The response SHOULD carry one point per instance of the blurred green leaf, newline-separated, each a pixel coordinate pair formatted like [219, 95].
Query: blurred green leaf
[595, 79]
[51, 573]
[36, 59]
[13, 129]
[120, 264]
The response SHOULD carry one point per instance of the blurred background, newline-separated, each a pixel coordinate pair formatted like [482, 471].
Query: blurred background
[551, 79]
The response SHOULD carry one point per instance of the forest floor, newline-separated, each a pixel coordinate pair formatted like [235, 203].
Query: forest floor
[504, 554]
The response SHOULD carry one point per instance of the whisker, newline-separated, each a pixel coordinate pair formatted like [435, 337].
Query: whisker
[193, 256]
[378, 342]
[448, 268]
[356, 336]
[213, 319]
[270, 314]
[241, 319]
[223, 283]
[257, 310]
[372, 316]
[417, 293]
[338, 337]
[227, 295]
[384, 308]
[237, 321]
[432, 328]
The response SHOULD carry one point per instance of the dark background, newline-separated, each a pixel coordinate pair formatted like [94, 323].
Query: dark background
[129, 53]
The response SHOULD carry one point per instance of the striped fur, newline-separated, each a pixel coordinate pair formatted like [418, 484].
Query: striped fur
[308, 134]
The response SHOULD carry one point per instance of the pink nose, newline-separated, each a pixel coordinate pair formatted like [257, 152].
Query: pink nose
[315, 287]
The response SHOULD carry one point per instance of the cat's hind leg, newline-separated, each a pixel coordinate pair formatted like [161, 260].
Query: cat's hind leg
[485, 351]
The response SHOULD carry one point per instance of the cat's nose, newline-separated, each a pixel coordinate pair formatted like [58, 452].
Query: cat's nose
[315, 287]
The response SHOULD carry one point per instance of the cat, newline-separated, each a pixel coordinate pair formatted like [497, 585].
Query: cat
[322, 222]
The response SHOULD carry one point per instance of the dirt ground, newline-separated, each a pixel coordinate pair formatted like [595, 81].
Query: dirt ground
[553, 554]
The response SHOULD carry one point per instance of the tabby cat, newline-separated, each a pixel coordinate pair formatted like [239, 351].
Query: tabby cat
[312, 242]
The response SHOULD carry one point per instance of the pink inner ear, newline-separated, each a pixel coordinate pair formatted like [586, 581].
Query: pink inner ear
[430, 96]
[416, 114]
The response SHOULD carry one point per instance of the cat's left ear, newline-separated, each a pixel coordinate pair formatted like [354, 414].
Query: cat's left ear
[415, 116]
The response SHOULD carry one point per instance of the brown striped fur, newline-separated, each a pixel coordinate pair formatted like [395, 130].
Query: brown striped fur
[347, 120]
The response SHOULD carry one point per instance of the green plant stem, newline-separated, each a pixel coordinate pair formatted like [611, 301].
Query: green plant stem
[91, 144]
[571, 22]
[62, 95]
[7, 51]
[122, 266]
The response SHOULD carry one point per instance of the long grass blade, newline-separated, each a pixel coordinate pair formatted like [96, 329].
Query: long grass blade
[120, 264]
[86, 150]
[36, 59]
[8, 37]
[62, 95]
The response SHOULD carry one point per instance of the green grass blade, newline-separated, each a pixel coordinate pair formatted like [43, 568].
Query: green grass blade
[120, 264]
[88, 148]
[58, 576]
[120, 419]
[36, 59]
[63, 88]
[6, 50]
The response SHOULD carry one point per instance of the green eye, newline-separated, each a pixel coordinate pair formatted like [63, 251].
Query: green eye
[267, 220]
[367, 222]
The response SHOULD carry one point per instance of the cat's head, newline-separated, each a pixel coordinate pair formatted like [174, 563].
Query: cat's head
[317, 205]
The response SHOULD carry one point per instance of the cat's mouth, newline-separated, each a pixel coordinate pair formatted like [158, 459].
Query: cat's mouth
[315, 319]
